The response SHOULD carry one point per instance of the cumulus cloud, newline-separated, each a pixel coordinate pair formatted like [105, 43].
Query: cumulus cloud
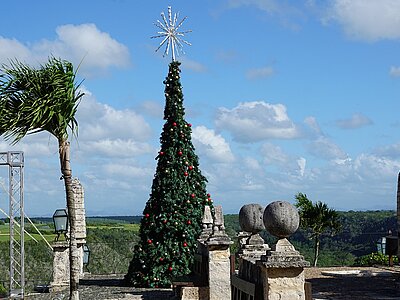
[259, 73]
[212, 145]
[356, 121]
[324, 148]
[256, 121]
[394, 71]
[274, 155]
[367, 20]
[100, 121]
[192, 65]
[85, 43]
[389, 151]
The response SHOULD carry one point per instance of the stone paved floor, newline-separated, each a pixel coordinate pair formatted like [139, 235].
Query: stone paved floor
[323, 287]
[107, 287]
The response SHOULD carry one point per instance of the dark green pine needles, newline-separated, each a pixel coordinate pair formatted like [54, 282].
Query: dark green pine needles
[171, 220]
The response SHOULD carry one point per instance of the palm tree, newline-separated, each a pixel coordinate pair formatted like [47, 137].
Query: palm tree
[398, 214]
[317, 218]
[44, 99]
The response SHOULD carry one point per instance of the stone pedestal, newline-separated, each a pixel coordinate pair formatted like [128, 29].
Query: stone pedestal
[282, 272]
[60, 266]
[219, 272]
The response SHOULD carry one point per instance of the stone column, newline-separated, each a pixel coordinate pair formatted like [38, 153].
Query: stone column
[80, 234]
[282, 272]
[282, 268]
[252, 245]
[60, 266]
[219, 259]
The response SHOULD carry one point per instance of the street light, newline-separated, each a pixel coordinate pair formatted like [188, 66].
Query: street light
[60, 219]
[86, 254]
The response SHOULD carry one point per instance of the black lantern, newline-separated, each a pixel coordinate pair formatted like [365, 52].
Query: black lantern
[86, 255]
[381, 245]
[60, 219]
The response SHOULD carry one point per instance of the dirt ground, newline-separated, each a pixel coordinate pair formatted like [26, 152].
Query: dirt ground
[371, 283]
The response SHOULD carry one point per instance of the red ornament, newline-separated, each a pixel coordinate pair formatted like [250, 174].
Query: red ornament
[186, 173]
[147, 215]
[180, 153]
[192, 195]
[185, 244]
[190, 125]
[161, 153]
[208, 195]
[174, 124]
[164, 221]
[189, 222]
[161, 259]
[170, 269]
[209, 200]
[149, 241]
[190, 167]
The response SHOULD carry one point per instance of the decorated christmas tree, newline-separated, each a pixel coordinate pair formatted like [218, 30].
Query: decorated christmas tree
[171, 220]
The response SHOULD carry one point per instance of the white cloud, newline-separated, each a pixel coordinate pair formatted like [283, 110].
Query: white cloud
[256, 121]
[389, 151]
[101, 121]
[324, 148]
[260, 73]
[356, 121]
[192, 65]
[273, 154]
[211, 144]
[312, 123]
[11, 48]
[85, 43]
[394, 71]
[111, 147]
[369, 20]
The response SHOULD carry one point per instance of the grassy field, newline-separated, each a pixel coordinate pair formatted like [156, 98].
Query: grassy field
[49, 234]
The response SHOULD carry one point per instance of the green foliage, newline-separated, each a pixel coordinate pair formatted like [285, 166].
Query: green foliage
[171, 220]
[3, 291]
[317, 218]
[375, 258]
[33, 100]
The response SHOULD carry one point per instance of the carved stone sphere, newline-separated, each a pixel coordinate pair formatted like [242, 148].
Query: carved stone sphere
[251, 218]
[281, 219]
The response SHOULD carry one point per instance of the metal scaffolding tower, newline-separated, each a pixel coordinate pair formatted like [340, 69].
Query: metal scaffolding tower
[15, 162]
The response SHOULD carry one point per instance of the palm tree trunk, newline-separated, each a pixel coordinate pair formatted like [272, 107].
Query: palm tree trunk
[316, 250]
[64, 150]
[398, 216]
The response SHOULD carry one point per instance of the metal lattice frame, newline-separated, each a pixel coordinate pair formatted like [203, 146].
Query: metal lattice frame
[15, 162]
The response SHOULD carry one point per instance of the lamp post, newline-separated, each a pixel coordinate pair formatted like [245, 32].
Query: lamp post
[60, 219]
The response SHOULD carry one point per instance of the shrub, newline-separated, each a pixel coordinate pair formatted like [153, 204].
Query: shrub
[3, 291]
[374, 258]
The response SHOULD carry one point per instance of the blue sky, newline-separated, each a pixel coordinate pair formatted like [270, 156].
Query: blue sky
[284, 97]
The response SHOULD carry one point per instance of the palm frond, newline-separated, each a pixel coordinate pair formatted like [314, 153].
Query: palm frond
[38, 99]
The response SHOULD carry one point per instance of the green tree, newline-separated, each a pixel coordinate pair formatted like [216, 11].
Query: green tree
[172, 216]
[44, 99]
[318, 218]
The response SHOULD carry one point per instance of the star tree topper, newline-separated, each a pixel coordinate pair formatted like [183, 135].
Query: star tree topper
[172, 37]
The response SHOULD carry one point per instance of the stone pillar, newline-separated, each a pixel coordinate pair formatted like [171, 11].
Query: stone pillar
[282, 271]
[217, 246]
[252, 245]
[282, 268]
[60, 266]
[80, 235]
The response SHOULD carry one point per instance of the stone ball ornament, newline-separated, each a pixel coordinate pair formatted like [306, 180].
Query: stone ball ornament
[281, 219]
[251, 218]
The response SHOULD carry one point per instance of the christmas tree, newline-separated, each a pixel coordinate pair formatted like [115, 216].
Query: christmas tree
[171, 220]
